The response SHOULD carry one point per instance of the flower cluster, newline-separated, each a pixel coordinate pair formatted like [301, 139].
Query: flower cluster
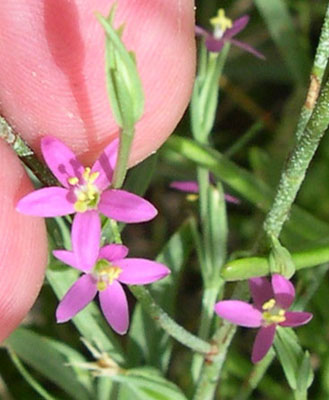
[271, 302]
[86, 192]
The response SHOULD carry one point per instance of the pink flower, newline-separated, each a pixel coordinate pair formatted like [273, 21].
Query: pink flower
[224, 31]
[104, 270]
[271, 302]
[193, 188]
[84, 189]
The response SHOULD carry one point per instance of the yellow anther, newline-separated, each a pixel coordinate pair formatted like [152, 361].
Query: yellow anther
[86, 174]
[113, 273]
[269, 304]
[73, 180]
[221, 21]
[93, 177]
[82, 196]
[101, 285]
[80, 206]
[192, 197]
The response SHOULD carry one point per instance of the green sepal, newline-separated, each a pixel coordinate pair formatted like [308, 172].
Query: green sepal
[280, 260]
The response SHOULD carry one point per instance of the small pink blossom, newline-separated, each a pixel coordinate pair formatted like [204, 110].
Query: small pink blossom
[224, 31]
[193, 188]
[271, 302]
[84, 190]
[104, 270]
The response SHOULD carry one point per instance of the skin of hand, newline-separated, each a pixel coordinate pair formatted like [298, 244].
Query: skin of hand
[52, 82]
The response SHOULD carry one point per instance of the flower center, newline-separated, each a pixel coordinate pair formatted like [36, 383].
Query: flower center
[272, 314]
[220, 23]
[86, 192]
[105, 273]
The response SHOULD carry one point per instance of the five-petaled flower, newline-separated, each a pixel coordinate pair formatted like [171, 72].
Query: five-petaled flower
[104, 270]
[84, 190]
[271, 302]
[224, 31]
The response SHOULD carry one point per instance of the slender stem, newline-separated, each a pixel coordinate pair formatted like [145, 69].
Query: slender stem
[26, 154]
[167, 323]
[28, 377]
[317, 72]
[245, 139]
[126, 138]
[297, 165]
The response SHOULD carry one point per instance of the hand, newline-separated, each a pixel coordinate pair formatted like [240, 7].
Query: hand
[52, 82]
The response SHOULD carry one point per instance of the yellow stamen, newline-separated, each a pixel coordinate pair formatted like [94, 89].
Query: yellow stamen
[86, 174]
[106, 274]
[269, 304]
[73, 180]
[192, 197]
[221, 21]
[80, 206]
[93, 177]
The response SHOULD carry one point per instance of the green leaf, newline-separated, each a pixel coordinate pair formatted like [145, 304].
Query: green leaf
[295, 363]
[50, 359]
[281, 27]
[146, 340]
[145, 384]
[246, 185]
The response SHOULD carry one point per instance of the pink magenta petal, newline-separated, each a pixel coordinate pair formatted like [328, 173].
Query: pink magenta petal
[284, 291]
[296, 318]
[231, 199]
[113, 252]
[185, 186]
[248, 48]
[138, 271]
[126, 207]
[199, 31]
[214, 45]
[86, 236]
[114, 305]
[60, 159]
[263, 342]
[261, 291]
[105, 165]
[238, 25]
[239, 313]
[79, 295]
[67, 257]
[46, 202]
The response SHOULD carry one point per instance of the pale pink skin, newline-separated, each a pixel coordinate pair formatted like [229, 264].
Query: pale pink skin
[251, 315]
[52, 75]
[23, 246]
[52, 83]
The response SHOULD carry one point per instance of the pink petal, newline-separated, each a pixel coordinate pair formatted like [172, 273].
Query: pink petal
[126, 207]
[47, 202]
[284, 291]
[86, 236]
[239, 313]
[199, 31]
[60, 159]
[105, 165]
[296, 318]
[261, 291]
[248, 48]
[138, 271]
[231, 199]
[114, 305]
[67, 257]
[214, 45]
[79, 295]
[238, 25]
[185, 186]
[113, 252]
[263, 342]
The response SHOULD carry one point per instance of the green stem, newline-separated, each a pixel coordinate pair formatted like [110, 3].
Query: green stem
[28, 377]
[251, 267]
[297, 165]
[317, 72]
[26, 154]
[167, 323]
[126, 138]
